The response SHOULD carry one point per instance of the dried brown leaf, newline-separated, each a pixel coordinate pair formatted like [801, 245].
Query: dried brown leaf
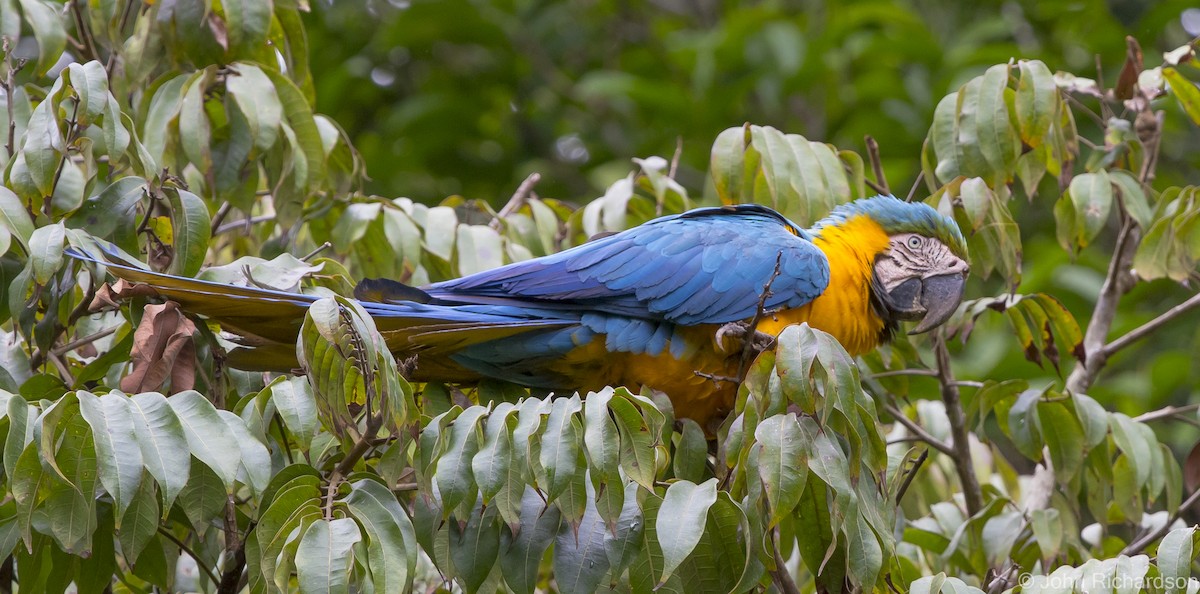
[163, 349]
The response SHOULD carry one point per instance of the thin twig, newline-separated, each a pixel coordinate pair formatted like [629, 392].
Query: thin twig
[320, 248]
[912, 473]
[518, 199]
[972, 493]
[1166, 413]
[914, 371]
[877, 165]
[918, 431]
[78, 342]
[759, 312]
[85, 34]
[912, 192]
[9, 86]
[1141, 331]
[219, 217]
[1147, 539]
[212, 575]
[675, 158]
[244, 223]
[1079, 104]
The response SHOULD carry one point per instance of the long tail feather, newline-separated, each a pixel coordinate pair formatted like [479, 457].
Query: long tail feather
[269, 320]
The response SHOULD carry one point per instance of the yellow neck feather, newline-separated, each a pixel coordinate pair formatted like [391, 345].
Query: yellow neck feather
[844, 309]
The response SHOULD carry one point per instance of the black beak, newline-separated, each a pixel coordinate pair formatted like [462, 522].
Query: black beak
[931, 300]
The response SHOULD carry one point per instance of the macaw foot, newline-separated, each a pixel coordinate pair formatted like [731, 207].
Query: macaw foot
[739, 333]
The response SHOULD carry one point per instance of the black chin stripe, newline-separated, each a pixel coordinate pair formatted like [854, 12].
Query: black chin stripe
[882, 306]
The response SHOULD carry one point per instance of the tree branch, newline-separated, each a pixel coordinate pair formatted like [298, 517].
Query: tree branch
[908, 479]
[517, 200]
[919, 431]
[972, 493]
[212, 575]
[877, 166]
[1148, 538]
[1141, 331]
[1166, 413]
[1116, 283]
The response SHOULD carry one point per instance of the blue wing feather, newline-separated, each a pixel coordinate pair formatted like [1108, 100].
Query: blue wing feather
[706, 266]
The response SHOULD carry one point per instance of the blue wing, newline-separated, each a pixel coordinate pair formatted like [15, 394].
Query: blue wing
[706, 266]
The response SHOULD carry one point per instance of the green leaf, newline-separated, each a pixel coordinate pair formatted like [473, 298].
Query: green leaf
[115, 206]
[351, 226]
[691, 453]
[209, 439]
[30, 485]
[392, 545]
[294, 400]
[90, 82]
[14, 217]
[1185, 91]
[46, 252]
[1064, 438]
[1175, 558]
[496, 467]
[246, 25]
[20, 432]
[725, 164]
[580, 556]
[602, 442]
[1092, 196]
[117, 452]
[478, 248]
[521, 555]
[163, 443]
[1133, 197]
[1037, 101]
[454, 476]
[782, 463]
[192, 230]
[680, 531]
[255, 459]
[299, 118]
[1023, 426]
[203, 499]
[43, 18]
[295, 503]
[561, 456]
[71, 505]
[720, 557]
[649, 561]
[1128, 438]
[139, 523]
[195, 130]
[997, 139]
[164, 108]
[474, 547]
[326, 555]
[1048, 530]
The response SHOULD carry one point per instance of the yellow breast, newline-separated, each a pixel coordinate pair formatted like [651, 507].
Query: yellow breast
[844, 309]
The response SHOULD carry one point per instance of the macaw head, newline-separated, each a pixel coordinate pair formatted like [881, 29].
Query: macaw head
[922, 273]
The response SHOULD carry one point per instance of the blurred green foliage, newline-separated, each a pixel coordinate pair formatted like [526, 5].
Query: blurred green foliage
[470, 96]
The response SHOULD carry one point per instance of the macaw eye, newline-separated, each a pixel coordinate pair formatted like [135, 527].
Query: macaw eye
[914, 242]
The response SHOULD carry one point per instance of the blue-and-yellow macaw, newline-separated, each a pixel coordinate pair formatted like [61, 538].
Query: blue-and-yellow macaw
[644, 307]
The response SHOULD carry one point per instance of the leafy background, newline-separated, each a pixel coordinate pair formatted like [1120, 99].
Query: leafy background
[233, 140]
